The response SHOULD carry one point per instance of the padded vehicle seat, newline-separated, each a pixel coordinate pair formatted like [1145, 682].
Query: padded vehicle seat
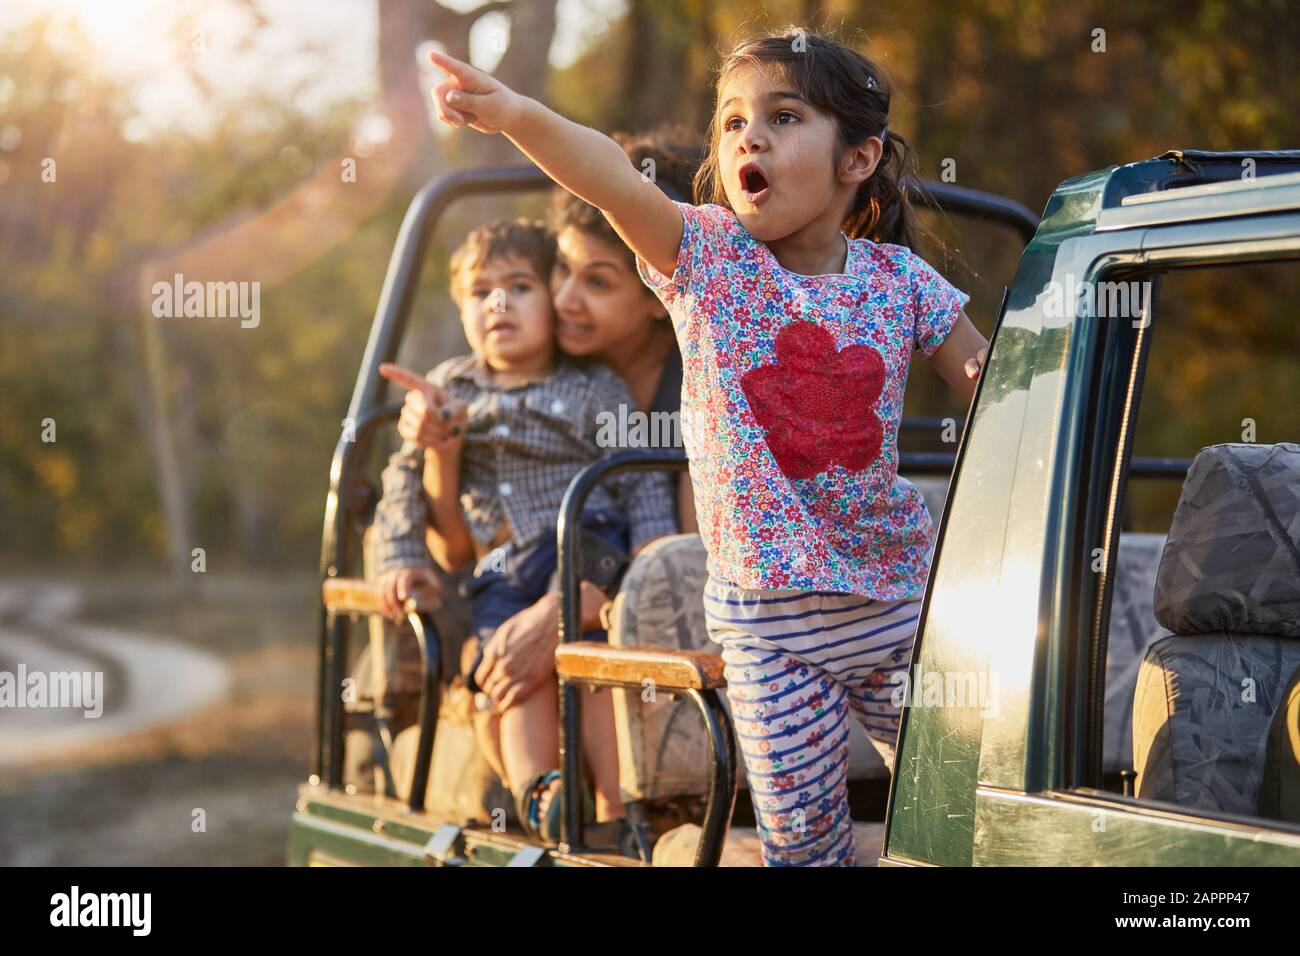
[1229, 589]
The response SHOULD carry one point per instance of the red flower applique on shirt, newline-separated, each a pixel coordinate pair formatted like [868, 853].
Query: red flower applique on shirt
[817, 405]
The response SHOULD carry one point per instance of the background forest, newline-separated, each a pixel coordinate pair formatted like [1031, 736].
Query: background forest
[207, 137]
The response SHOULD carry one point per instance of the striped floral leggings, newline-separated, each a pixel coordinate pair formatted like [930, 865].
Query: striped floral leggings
[797, 664]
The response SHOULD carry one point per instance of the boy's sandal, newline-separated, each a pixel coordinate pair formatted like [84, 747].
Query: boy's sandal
[630, 839]
[528, 801]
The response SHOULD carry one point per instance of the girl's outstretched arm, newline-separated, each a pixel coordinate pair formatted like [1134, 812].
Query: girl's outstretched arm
[960, 359]
[585, 162]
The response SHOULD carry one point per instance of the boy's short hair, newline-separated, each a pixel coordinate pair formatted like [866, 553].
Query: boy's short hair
[527, 239]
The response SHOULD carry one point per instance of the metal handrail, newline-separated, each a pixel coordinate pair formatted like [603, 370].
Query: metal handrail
[336, 557]
[568, 532]
[431, 660]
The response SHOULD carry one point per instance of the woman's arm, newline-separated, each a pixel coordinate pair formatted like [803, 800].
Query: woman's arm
[521, 654]
[448, 535]
[961, 357]
[585, 162]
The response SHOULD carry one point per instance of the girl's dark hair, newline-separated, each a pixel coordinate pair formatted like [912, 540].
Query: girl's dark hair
[676, 153]
[854, 91]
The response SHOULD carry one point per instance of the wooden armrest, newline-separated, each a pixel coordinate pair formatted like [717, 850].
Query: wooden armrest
[356, 596]
[667, 667]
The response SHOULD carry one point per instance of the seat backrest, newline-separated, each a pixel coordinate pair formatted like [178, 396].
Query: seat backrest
[1228, 588]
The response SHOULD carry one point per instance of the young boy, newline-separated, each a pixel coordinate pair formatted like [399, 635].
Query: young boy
[517, 421]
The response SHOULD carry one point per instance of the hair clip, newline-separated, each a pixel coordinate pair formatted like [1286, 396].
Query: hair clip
[871, 82]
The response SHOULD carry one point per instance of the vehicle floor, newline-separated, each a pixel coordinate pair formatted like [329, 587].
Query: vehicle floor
[742, 848]
[868, 801]
[677, 846]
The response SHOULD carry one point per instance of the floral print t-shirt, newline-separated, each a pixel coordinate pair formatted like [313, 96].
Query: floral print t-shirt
[792, 392]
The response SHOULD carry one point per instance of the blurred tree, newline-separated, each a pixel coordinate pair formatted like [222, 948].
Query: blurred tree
[318, 211]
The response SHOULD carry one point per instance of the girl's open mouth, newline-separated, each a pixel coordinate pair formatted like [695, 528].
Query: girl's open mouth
[754, 185]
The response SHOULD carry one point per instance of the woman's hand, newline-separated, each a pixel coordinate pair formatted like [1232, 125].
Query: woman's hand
[470, 97]
[521, 654]
[430, 417]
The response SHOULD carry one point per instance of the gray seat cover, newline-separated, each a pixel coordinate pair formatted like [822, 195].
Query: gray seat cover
[1229, 589]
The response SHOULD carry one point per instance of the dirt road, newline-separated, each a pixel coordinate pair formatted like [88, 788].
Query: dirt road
[205, 728]
[146, 680]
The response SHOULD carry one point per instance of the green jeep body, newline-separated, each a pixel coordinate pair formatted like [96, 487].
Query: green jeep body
[1011, 592]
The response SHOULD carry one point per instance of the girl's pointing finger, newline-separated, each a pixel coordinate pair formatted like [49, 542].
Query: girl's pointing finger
[449, 64]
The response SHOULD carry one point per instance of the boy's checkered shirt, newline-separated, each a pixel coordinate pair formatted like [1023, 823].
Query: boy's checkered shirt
[523, 446]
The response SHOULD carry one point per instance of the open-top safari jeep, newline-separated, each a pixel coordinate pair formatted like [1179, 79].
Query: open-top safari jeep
[1037, 609]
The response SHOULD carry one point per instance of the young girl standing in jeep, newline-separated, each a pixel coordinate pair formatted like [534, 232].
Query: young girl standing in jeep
[797, 305]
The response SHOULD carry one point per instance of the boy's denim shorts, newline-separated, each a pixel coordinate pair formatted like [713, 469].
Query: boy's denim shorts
[509, 579]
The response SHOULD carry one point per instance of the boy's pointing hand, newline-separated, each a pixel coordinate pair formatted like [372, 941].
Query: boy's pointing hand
[470, 97]
[430, 417]
[405, 378]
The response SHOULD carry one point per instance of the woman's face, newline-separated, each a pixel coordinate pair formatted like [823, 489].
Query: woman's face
[600, 302]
